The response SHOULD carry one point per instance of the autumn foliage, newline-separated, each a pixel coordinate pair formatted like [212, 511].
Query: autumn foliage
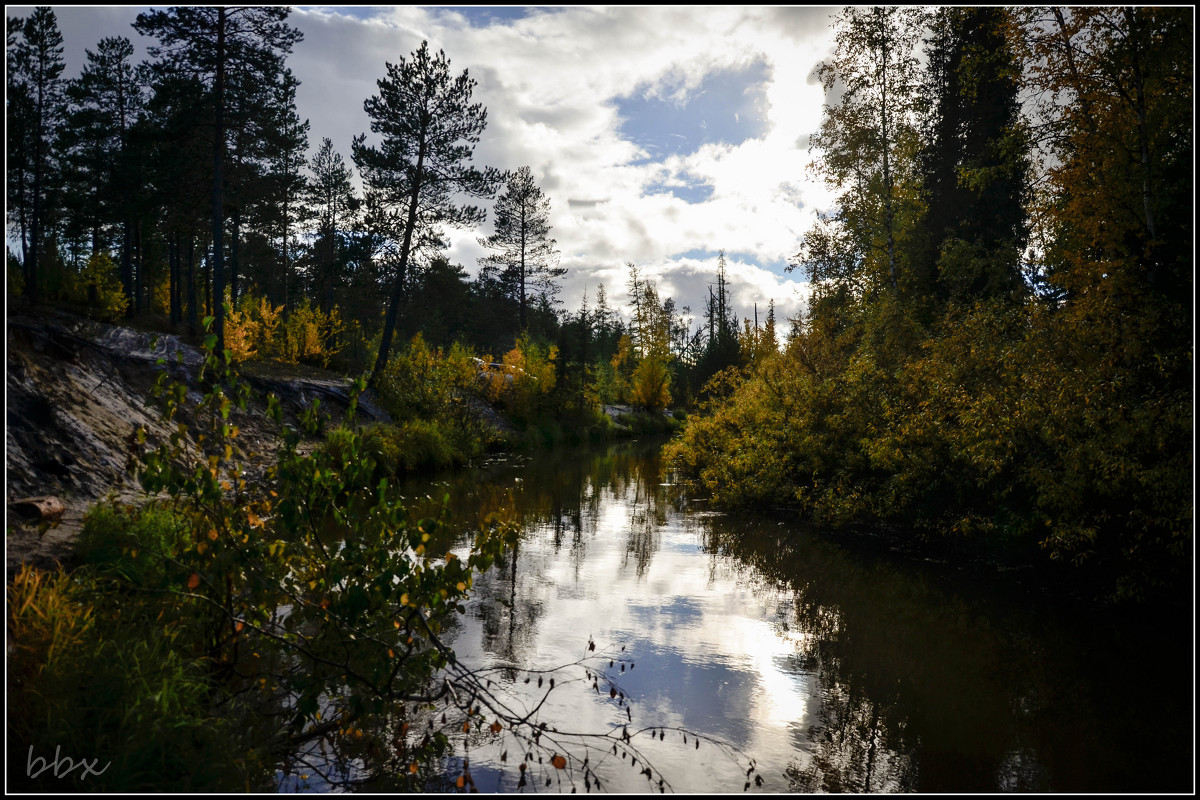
[1051, 422]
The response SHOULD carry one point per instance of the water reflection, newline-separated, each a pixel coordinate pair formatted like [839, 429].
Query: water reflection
[835, 670]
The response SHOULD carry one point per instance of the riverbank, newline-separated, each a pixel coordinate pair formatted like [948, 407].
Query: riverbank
[76, 392]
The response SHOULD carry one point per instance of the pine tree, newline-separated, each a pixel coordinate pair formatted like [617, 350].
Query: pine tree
[34, 109]
[286, 138]
[429, 130]
[106, 101]
[179, 186]
[976, 165]
[721, 349]
[328, 198]
[18, 113]
[220, 46]
[527, 259]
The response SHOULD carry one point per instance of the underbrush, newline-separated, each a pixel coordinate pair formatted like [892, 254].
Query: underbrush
[108, 689]
[650, 423]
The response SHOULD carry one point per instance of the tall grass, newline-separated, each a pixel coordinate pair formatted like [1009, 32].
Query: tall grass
[105, 665]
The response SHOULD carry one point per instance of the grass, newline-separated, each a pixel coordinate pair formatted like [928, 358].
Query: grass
[105, 665]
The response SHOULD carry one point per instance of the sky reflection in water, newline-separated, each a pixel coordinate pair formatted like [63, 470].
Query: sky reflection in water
[832, 670]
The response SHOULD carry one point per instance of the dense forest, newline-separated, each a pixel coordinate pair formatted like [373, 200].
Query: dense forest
[998, 349]
[997, 355]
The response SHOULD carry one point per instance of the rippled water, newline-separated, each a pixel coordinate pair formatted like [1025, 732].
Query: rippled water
[833, 669]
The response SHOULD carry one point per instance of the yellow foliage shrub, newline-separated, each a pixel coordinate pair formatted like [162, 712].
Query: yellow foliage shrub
[160, 298]
[527, 374]
[99, 288]
[257, 328]
[651, 384]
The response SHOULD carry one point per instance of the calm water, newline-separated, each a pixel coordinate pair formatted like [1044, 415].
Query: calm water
[833, 669]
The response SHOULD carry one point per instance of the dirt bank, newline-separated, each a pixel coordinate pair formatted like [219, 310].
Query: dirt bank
[77, 391]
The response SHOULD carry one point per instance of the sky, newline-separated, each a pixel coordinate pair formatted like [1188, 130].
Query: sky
[660, 134]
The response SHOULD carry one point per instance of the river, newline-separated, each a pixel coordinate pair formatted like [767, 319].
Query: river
[754, 642]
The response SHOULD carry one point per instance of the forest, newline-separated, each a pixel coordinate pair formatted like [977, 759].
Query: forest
[996, 359]
[151, 191]
[999, 347]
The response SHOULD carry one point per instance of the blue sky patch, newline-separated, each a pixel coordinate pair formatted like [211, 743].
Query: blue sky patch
[728, 107]
[484, 16]
[693, 192]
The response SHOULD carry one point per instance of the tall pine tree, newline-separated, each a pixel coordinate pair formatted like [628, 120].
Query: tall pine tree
[527, 259]
[217, 45]
[429, 129]
[976, 164]
[34, 109]
[106, 101]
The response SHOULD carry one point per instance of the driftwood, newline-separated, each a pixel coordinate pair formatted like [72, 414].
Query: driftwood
[47, 508]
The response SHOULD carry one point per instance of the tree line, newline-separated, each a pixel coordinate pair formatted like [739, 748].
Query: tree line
[998, 347]
[182, 188]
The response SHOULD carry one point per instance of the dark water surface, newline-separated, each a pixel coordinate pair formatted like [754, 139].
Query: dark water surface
[833, 668]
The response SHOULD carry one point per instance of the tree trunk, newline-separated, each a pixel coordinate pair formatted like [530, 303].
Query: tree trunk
[1143, 139]
[35, 225]
[127, 260]
[173, 281]
[218, 267]
[888, 212]
[524, 323]
[208, 279]
[193, 317]
[389, 324]
[235, 229]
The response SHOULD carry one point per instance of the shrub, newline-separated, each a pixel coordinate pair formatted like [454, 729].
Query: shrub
[134, 546]
[99, 671]
[99, 288]
[651, 384]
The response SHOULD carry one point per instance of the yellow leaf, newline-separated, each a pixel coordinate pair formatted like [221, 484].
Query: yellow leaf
[212, 534]
[412, 768]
